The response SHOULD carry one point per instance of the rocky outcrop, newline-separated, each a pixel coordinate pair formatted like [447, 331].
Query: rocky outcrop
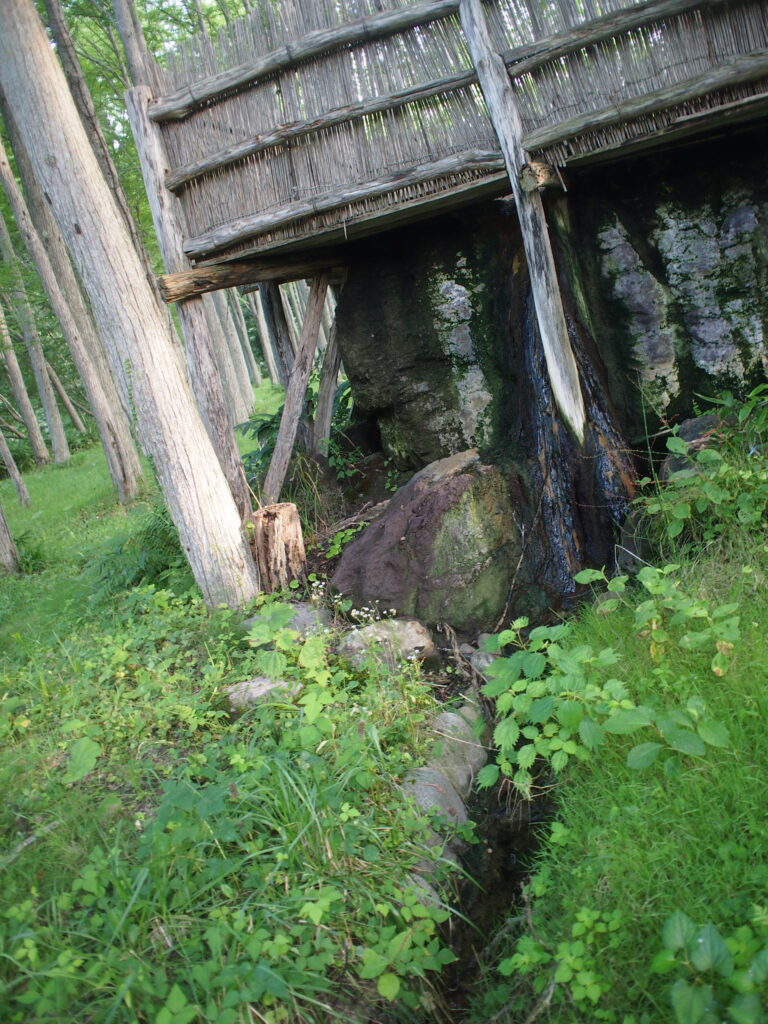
[443, 551]
[389, 641]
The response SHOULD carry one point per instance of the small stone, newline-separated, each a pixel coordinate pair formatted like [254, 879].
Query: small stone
[480, 661]
[251, 691]
[431, 789]
[307, 619]
[459, 754]
[390, 641]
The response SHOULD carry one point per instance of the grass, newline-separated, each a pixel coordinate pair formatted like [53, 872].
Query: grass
[161, 858]
[633, 851]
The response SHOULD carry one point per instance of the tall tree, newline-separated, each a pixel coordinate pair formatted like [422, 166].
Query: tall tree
[194, 486]
[111, 420]
[29, 332]
[13, 470]
[19, 389]
[9, 556]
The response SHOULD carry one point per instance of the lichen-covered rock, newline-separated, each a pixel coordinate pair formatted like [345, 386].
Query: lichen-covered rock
[391, 640]
[458, 754]
[443, 551]
[250, 691]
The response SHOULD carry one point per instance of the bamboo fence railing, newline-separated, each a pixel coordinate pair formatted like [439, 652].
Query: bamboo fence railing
[307, 121]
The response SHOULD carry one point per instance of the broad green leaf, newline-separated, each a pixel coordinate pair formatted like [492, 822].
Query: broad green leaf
[373, 965]
[628, 720]
[679, 931]
[590, 576]
[683, 740]
[664, 961]
[592, 734]
[271, 663]
[83, 755]
[488, 776]
[746, 1008]
[569, 714]
[714, 733]
[689, 1002]
[506, 734]
[677, 445]
[642, 755]
[388, 985]
[541, 709]
[558, 761]
[709, 952]
[534, 664]
[759, 967]
[526, 755]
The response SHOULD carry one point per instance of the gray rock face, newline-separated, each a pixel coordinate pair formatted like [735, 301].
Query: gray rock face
[391, 640]
[458, 754]
[444, 549]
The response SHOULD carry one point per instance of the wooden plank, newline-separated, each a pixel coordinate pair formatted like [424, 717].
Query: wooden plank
[297, 129]
[524, 59]
[259, 223]
[737, 71]
[497, 89]
[187, 283]
[182, 102]
[294, 395]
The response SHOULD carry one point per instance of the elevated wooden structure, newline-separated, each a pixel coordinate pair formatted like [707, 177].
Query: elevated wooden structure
[343, 117]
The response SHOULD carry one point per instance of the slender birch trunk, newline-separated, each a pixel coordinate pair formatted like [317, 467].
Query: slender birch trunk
[9, 556]
[265, 339]
[66, 401]
[111, 422]
[188, 471]
[13, 471]
[19, 388]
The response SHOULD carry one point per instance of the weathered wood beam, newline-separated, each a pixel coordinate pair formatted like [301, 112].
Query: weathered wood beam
[187, 283]
[736, 71]
[499, 97]
[524, 59]
[297, 129]
[259, 223]
[294, 395]
[182, 102]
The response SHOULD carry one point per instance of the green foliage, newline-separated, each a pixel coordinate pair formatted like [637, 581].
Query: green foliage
[720, 488]
[341, 538]
[556, 701]
[717, 979]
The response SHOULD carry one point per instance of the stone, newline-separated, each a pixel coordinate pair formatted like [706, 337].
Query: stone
[250, 691]
[307, 619]
[480, 661]
[444, 550]
[391, 640]
[458, 754]
[698, 432]
[433, 791]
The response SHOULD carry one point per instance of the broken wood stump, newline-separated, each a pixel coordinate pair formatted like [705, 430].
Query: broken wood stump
[277, 543]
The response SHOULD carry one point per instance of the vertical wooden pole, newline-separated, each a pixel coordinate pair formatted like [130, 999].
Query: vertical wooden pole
[499, 97]
[294, 395]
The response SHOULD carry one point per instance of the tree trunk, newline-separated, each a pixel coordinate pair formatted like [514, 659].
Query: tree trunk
[235, 304]
[278, 545]
[195, 323]
[66, 401]
[26, 319]
[188, 471]
[265, 339]
[9, 556]
[19, 389]
[277, 327]
[294, 396]
[13, 471]
[233, 361]
[329, 380]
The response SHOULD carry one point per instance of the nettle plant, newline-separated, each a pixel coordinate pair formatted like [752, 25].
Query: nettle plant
[556, 701]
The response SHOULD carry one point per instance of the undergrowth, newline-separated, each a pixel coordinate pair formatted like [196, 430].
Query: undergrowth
[645, 715]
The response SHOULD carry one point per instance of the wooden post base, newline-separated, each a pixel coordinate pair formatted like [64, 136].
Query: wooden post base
[277, 543]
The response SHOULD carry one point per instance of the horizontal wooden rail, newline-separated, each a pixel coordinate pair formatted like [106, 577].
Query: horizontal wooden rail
[188, 283]
[260, 223]
[296, 129]
[737, 71]
[181, 103]
[524, 59]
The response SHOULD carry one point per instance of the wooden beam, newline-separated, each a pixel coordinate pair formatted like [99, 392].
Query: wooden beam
[283, 133]
[187, 283]
[497, 89]
[524, 59]
[738, 70]
[260, 223]
[294, 395]
[182, 102]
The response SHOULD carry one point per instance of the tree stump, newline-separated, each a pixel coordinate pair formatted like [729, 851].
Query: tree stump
[277, 543]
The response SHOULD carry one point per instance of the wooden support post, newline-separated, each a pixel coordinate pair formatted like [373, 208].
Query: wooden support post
[294, 395]
[497, 90]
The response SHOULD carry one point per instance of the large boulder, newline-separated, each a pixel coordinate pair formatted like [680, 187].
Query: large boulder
[444, 550]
